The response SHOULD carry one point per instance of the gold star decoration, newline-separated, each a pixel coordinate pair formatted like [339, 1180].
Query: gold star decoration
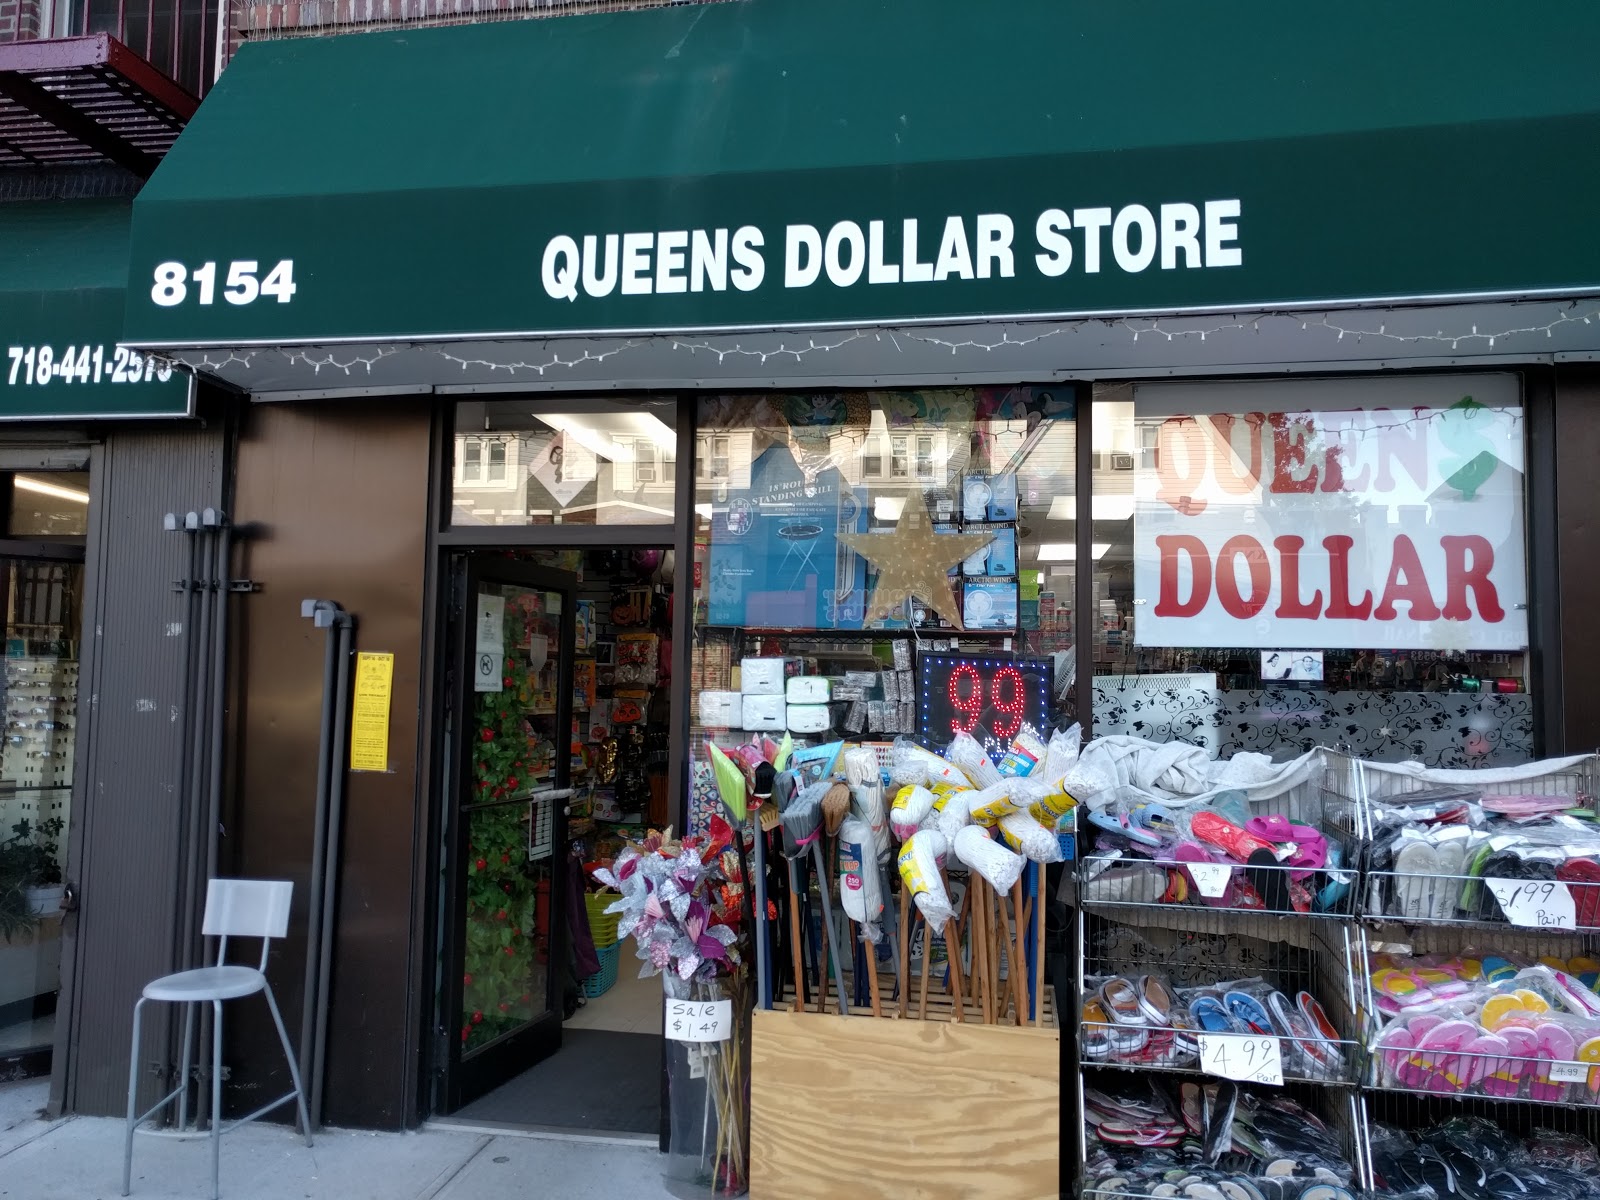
[915, 560]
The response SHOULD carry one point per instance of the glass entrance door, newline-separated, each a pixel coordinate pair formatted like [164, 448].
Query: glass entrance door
[511, 737]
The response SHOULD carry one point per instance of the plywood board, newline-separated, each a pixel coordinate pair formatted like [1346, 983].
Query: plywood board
[894, 1110]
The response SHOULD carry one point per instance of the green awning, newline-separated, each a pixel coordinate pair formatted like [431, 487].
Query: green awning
[767, 165]
[63, 290]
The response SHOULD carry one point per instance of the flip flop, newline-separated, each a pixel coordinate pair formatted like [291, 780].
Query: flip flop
[1214, 831]
[1480, 1057]
[1209, 1015]
[1246, 1008]
[1324, 1035]
[1555, 1044]
[1272, 827]
[1436, 1055]
[1294, 1034]
[1574, 995]
[1393, 1048]
[1498, 970]
[1582, 877]
[1589, 1052]
[1096, 1043]
[1447, 889]
[1270, 880]
[1415, 869]
[1154, 999]
[1505, 1081]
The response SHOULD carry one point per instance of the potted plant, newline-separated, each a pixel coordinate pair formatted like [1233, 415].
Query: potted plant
[31, 859]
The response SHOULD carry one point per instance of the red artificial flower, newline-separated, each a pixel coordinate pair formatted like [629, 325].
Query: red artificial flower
[501, 915]
[467, 979]
[512, 782]
[509, 951]
[721, 839]
[515, 932]
[477, 1018]
[525, 997]
[506, 681]
[487, 735]
[466, 1032]
[505, 858]
[507, 888]
[504, 1007]
[482, 864]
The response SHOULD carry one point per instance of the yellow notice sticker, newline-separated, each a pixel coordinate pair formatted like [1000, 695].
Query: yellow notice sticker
[369, 714]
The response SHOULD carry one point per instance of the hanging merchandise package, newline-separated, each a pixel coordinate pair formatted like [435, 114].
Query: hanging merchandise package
[988, 806]
[1061, 755]
[953, 817]
[1026, 752]
[967, 754]
[866, 795]
[919, 872]
[909, 763]
[859, 887]
[1001, 867]
[1029, 838]
[911, 807]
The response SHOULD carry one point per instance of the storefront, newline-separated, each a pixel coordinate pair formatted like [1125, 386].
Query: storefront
[1325, 437]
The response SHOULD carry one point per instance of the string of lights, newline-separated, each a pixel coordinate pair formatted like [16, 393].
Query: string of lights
[761, 349]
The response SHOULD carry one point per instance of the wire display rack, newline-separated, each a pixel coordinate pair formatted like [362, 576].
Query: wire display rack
[1453, 988]
[1479, 948]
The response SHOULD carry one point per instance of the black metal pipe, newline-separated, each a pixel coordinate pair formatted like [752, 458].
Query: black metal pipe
[194, 798]
[330, 877]
[308, 1004]
[183, 935]
[220, 580]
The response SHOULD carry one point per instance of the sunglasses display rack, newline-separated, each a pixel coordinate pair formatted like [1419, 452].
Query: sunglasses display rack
[1219, 1008]
[1479, 914]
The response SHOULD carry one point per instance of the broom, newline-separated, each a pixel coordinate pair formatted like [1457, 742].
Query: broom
[783, 795]
[762, 782]
[806, 816]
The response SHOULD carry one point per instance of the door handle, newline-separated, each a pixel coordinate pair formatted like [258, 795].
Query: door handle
[69, 897]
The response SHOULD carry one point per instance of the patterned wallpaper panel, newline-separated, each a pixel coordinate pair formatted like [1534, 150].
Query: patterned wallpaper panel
[1438, 729]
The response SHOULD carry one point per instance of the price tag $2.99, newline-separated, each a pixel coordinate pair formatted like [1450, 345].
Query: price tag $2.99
[1249, 1058]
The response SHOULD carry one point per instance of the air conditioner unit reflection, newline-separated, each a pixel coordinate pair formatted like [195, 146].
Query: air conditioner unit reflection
[1112, 460]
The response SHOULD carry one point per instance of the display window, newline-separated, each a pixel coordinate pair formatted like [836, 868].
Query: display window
[1341, 562]
[846, 533]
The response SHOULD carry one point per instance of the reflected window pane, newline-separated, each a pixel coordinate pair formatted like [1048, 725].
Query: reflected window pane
[49, 504]
[1291, 564]
[579, 461]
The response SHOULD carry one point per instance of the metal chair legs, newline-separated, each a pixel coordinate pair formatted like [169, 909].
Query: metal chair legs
[133, 1091]
[181, 1093]
[294, 1067]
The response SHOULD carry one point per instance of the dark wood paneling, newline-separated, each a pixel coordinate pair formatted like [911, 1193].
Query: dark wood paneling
[124, 849]
[339, 497]
[1577, 534]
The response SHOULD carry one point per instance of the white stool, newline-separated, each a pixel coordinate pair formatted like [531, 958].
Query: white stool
[234, 908]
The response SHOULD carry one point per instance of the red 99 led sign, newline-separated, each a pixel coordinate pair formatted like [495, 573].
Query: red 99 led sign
[989, 698]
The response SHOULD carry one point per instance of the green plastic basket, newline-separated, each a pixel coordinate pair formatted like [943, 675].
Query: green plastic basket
[598, 985]
[602, 925]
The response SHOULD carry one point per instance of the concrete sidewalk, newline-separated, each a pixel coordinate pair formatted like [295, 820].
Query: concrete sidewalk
[81, 1159]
